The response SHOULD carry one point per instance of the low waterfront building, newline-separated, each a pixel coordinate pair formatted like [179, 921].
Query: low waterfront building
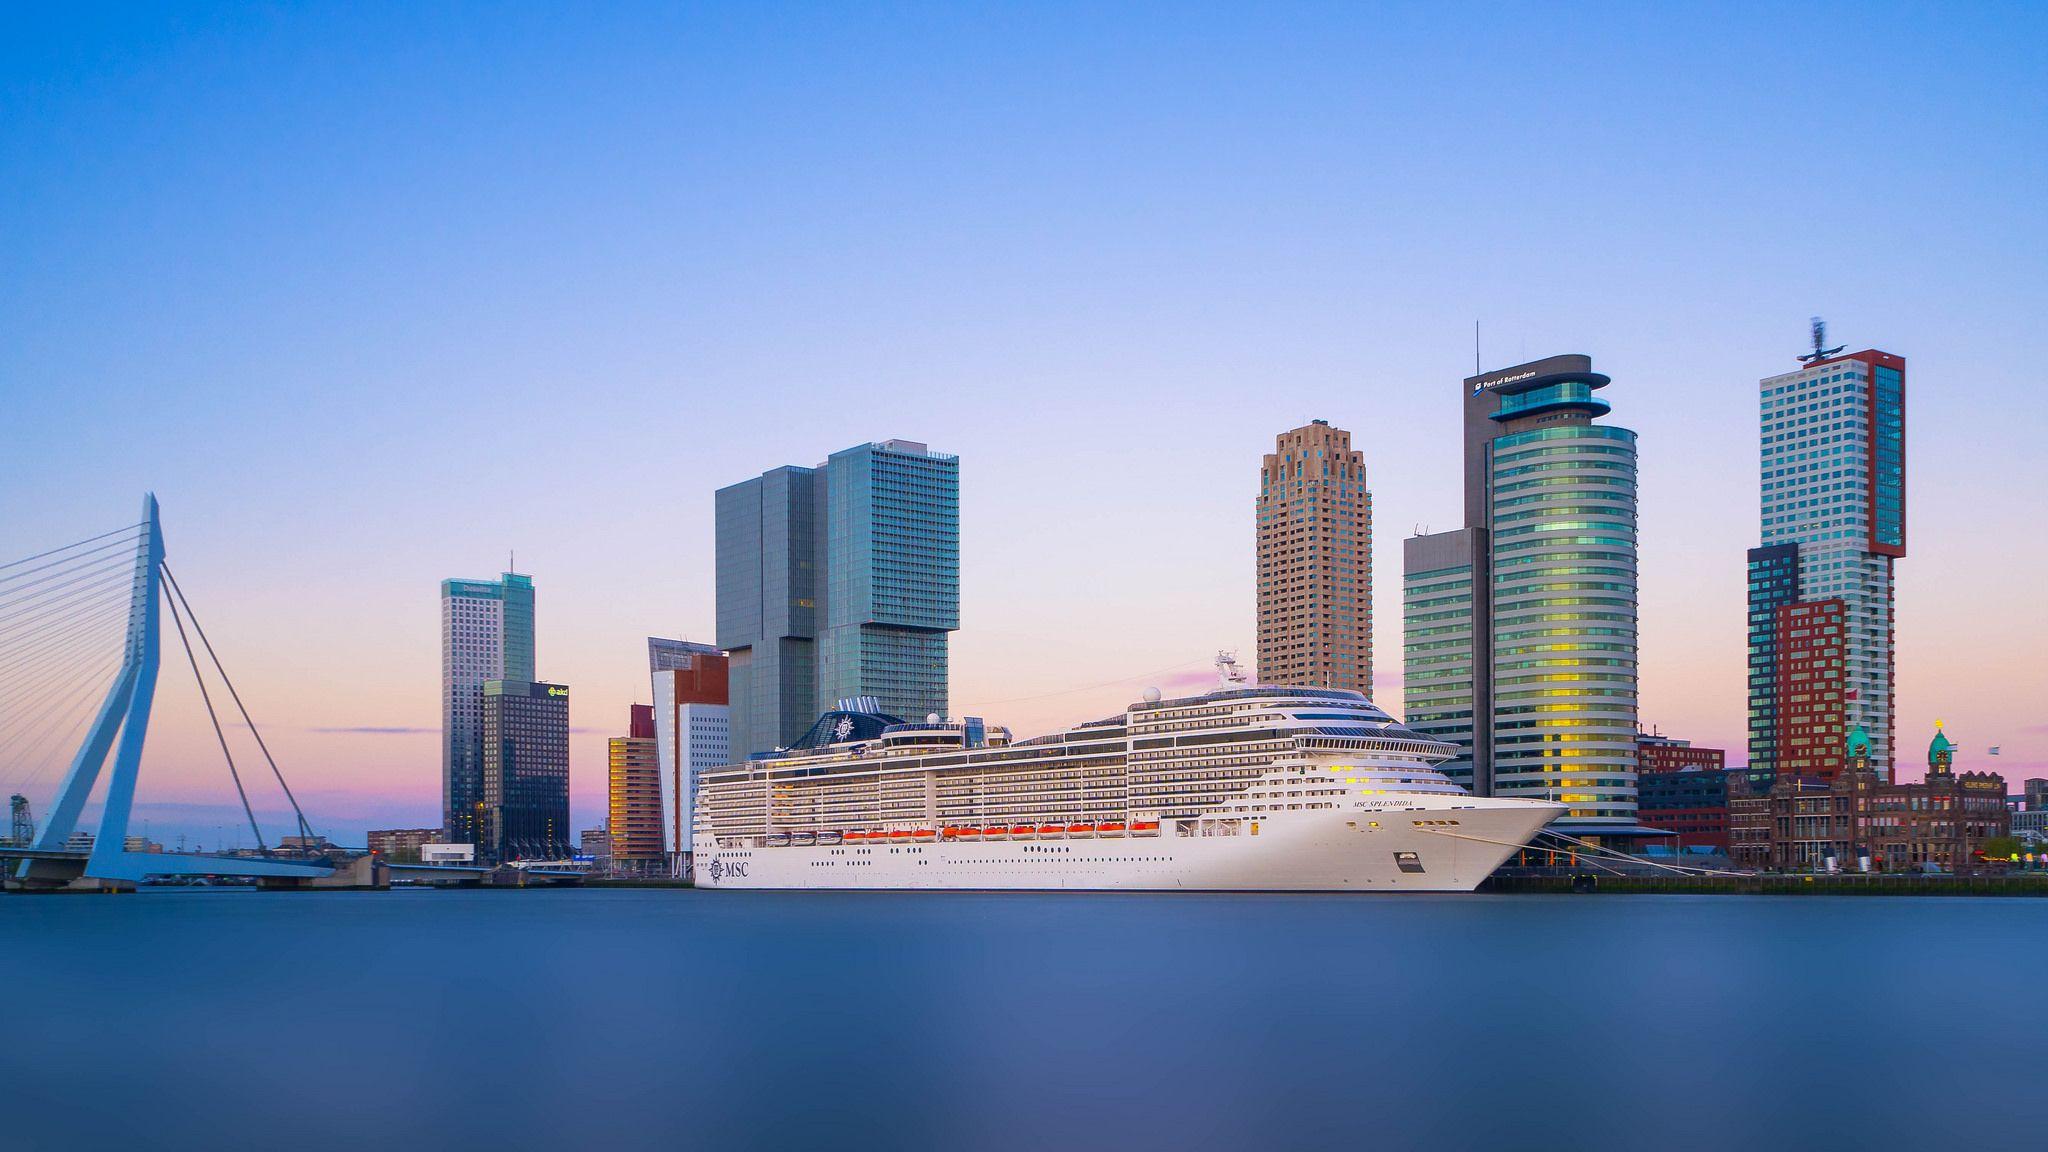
[314, 845]
[597, 845]
[1749, 821]
[1659, 753]
[2031, 825]
[1859, 820]
[447, 853]
[1939, 821]
[401, 845]
[1690, 803]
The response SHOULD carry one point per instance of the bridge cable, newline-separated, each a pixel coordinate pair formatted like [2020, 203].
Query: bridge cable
[69, 547]
[53, 680]
[59, 637]
[47, 676]
[105, 567]
[33, 741]
[220, 735]
[305, 829]
[125, 543]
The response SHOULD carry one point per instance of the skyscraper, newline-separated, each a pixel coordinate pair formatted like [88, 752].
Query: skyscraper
[1315, 561]
[634, 794]
[768, 587]
[526, 771]
[1520, 627]
[1773, 584]
[692, 727]
[486, 634]
[1833, 509]
[838, 581]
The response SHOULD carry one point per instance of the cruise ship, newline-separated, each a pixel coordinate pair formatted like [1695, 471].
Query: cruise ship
[1239, 789]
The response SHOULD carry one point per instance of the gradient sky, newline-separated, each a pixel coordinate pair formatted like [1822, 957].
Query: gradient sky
[372, 294]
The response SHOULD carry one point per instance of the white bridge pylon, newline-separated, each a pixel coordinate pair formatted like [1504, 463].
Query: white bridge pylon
[125, 714]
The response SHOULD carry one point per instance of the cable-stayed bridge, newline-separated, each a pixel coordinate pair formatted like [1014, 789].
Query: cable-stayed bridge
[81, 646]
[60, 613]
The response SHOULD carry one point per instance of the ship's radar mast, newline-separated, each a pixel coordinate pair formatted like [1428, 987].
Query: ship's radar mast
[1227, 671]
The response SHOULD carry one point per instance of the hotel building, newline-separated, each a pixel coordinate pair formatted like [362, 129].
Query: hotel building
[1315, 562]
[486, 634]
[1833, 509]
[1520, 628]
[400, 845]
[838, 581]
[1860, 821]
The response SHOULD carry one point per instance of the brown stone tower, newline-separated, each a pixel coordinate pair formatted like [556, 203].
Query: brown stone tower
[1315, 562]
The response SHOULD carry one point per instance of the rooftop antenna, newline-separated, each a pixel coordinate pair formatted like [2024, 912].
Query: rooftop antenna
[1820, 340]
[1227, 671]
[1476, 369]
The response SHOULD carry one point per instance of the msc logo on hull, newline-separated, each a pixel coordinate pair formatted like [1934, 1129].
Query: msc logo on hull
[720, 870]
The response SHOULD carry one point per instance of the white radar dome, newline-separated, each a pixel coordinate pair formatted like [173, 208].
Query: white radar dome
[1151, 695]
[931, 717]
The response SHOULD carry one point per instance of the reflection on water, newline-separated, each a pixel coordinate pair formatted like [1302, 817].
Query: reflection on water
[572, 1020]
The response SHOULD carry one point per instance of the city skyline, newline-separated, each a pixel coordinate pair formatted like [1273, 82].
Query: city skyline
[1050, 293]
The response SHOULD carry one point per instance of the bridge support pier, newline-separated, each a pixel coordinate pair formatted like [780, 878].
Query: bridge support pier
[59, 876]
[363, 874]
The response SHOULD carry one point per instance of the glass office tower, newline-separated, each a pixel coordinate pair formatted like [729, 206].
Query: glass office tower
[486, 634]
[526, 771]
[892, 577]
[1520, 628]
[838, 581]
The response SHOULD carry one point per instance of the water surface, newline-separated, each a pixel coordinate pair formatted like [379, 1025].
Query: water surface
[672, 1019]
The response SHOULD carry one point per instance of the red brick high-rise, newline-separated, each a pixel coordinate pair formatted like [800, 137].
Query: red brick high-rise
[1812, 693]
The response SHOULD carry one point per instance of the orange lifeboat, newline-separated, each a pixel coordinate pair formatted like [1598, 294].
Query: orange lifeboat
[950, 833]
[1021, 830]
[1145, 827]
[1052, 829]
[1110, 828]
[855, 836]
[1080, 829]
[899, 834]
[923, 834]
[968, 833]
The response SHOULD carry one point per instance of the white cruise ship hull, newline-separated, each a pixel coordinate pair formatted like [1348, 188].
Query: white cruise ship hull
[1447, 844]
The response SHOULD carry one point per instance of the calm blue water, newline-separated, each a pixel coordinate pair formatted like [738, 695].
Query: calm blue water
[669, 1019]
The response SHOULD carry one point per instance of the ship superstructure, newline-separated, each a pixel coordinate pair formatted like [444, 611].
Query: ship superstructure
[1269, 788]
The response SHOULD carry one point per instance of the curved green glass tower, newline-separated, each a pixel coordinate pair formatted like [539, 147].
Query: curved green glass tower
[1521, 626]
[1564, 617]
